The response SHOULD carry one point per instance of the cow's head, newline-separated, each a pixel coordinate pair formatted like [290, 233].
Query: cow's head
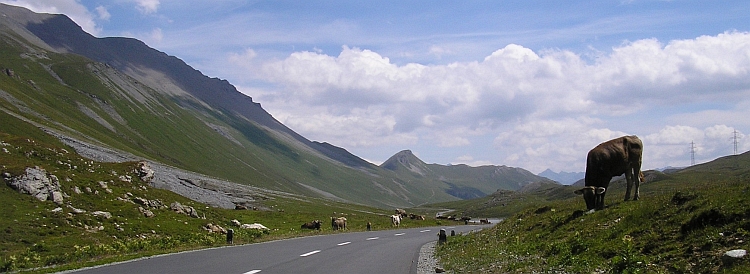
[591, 196]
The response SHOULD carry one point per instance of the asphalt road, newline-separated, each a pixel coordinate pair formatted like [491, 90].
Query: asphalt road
[386, 251]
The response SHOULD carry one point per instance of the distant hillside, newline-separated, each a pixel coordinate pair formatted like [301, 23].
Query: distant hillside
[565, 178]
[463, 181]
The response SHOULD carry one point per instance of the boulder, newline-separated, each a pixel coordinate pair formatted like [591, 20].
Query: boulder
[36, 182]
[187, 210]
[147, 213]
[733, 256]
[212, 228]
[145, 172]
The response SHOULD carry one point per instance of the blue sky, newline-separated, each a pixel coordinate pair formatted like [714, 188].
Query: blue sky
[532, 84]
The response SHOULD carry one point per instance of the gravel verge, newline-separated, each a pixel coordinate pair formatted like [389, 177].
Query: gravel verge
[428, 263]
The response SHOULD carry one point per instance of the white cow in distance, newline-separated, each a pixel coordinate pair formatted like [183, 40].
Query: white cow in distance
[396, 220]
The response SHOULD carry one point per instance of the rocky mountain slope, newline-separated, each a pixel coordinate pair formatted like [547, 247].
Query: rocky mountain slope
[116, 99]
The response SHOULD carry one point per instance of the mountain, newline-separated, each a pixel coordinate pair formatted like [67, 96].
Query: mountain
[462, 181]
[117, 94]
[116, 99]
[565, 178]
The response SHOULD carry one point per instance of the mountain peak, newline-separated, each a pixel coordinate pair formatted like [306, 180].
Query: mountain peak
[406, 159]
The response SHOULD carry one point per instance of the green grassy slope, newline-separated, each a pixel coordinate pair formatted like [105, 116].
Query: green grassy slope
[684, 222]
[34, 235]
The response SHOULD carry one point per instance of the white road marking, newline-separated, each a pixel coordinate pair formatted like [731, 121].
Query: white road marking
[426, 230]
[398, 234]
[309, 253]
[252, 271]
[344, 243]
[373, 238]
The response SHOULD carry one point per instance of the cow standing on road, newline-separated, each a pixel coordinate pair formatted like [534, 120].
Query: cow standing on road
[609, 159]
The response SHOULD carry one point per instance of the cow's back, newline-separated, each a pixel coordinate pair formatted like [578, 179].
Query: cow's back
[606, 160]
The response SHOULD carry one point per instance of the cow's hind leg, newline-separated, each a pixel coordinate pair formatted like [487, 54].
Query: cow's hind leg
[629, 179]
[637, 194]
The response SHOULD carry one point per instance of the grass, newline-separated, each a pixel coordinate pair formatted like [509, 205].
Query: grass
[684, 222]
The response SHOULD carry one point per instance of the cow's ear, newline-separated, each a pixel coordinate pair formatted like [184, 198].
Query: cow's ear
[579, 192]
[600, 190]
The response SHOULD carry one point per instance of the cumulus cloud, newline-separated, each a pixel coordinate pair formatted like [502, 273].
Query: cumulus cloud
[531, 101]
[72, 8]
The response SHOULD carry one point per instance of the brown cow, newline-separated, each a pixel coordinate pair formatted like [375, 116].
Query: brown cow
[312, 225]
[338, 223]
[610, 159]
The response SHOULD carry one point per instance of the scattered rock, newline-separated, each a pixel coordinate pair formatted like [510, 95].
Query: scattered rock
[75, 210]
[236, 223]
[147, 213]
[36, 182]
[102, 214]
[733, 256]
[187, 210]
[9, 72]
[254, 226]
[56, 210]
[77, 190]
[212, 228]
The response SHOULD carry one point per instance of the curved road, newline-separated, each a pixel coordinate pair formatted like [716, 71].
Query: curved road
[385, 251]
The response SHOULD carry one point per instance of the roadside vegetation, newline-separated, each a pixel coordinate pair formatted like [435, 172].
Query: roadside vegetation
[684, 223]
[41, 236]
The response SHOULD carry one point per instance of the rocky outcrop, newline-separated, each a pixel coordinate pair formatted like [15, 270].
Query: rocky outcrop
[38, 183]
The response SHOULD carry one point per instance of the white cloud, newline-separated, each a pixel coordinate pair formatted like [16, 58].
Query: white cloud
[147, 6]
[72, 8]
[547, 109]
[102, 13]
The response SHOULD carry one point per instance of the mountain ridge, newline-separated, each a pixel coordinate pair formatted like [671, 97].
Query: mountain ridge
[123, 95]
